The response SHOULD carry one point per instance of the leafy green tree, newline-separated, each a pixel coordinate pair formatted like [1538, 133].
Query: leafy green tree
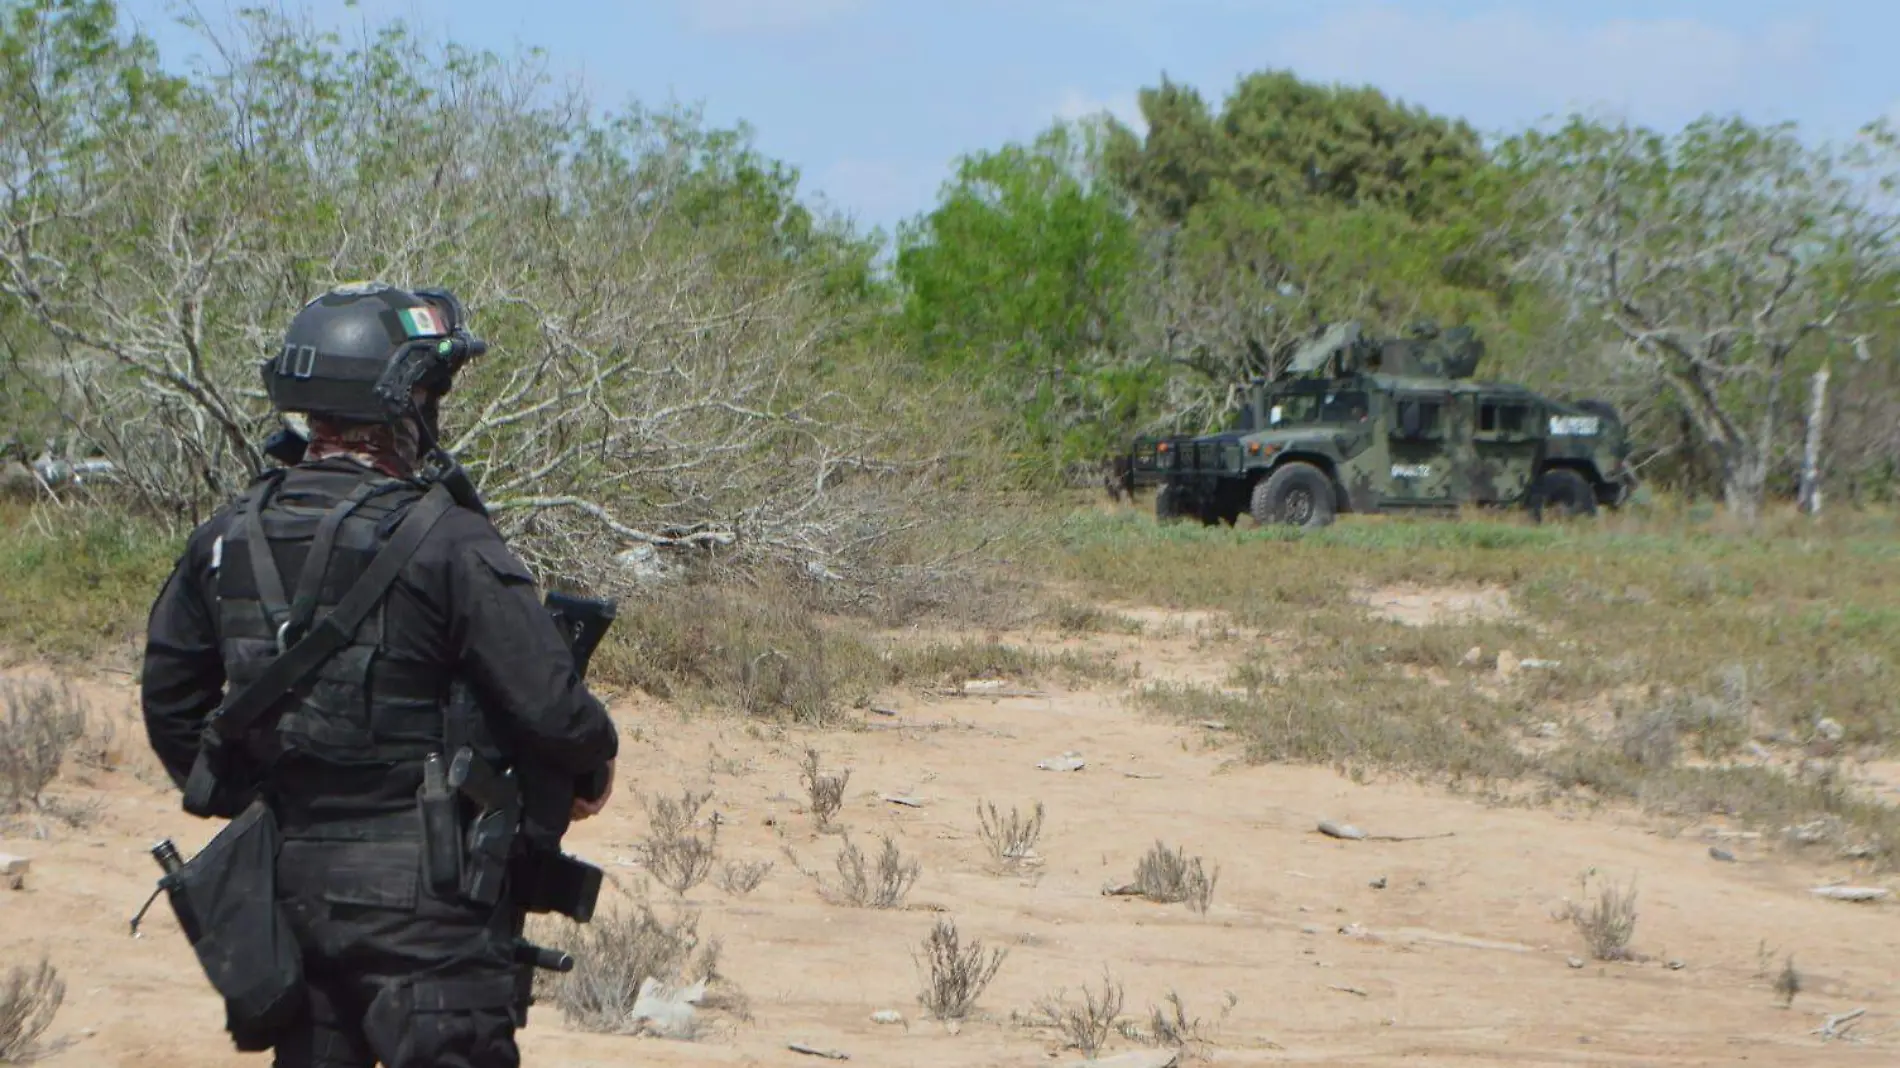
[1294, 206]
[1717, 260]
[1283, 141]
[1014, 283]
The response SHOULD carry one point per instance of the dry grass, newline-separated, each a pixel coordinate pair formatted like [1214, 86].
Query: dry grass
[861, 887]
[1607, 922]
[1367, 722]
[740, 878]
[954, 975]
[761, 651]
[1073, 617]
[614, 954]
[673, 851]
[824, 794]
[1013, 840]
[1677, 652]
[43, 723]
[1169, 1025]
[1787, 982]
[81, 578]
[1172, 876]
[769, 650]
[1085, 1026]
[29, 999]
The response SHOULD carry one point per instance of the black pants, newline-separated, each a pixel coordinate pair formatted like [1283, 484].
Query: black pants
[397, 976]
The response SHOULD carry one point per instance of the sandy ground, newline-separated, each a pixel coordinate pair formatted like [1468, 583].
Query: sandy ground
[1455, 959]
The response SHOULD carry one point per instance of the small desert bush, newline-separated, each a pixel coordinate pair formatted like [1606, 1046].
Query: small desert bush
[1087, 1025]
[740, 878]
[954, 975]
[1787, 982]
[859, 885]
[1607, 922]
[616, 952]
[43, 723]
[1168, 876]
[29, 999]
[673, 851]
[1170, 1026]
[824, 794]
[1010, 840]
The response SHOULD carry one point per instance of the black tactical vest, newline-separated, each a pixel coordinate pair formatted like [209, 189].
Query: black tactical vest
[296, 543]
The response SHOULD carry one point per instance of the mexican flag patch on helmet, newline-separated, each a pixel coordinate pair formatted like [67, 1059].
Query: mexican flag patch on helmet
[422, 322]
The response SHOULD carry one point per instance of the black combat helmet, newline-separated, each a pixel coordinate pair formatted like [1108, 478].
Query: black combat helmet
[355, 353]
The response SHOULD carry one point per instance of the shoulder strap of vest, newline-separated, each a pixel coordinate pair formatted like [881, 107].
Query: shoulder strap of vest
[303, 606]
[332, 632]
[270, 583]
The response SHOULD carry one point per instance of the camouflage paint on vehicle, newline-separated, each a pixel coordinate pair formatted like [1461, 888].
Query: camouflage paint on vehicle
[1389, 425]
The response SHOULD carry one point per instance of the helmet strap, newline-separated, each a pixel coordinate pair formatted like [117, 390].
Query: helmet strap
[440, 465]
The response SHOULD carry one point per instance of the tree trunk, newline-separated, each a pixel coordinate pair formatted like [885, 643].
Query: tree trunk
[1810, 495]
[1743, 481]
[1757, 466]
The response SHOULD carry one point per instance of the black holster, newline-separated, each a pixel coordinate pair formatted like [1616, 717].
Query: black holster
[226, 902]
[440, 809]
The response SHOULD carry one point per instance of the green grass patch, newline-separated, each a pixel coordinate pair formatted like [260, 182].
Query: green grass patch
[1808, 614]
[76, 582]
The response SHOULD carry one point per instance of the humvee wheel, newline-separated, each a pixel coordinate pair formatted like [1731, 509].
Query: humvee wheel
[1566, 492]
[1297, 494]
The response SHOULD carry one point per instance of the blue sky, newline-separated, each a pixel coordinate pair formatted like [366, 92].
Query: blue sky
[873, 99]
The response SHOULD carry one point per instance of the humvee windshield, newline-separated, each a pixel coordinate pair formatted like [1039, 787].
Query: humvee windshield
[1300, 409]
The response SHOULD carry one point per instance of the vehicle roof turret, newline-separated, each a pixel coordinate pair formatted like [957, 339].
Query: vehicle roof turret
[1344, 350]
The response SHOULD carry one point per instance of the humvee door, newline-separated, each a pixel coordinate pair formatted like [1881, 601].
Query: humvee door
[1504, 435]
[1420, 446]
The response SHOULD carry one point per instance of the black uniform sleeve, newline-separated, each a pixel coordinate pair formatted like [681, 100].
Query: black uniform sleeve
[512, 653]
[182, 679]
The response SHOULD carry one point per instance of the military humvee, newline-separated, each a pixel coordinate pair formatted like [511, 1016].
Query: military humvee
[1389, 425]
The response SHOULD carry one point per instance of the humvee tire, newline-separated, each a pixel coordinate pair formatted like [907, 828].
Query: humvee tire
[1566, 492]
[1297, 494]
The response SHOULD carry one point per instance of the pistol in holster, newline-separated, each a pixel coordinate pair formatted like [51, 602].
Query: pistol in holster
[486, 855]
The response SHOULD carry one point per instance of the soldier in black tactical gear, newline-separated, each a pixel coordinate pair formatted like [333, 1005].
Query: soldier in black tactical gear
[398, 967]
